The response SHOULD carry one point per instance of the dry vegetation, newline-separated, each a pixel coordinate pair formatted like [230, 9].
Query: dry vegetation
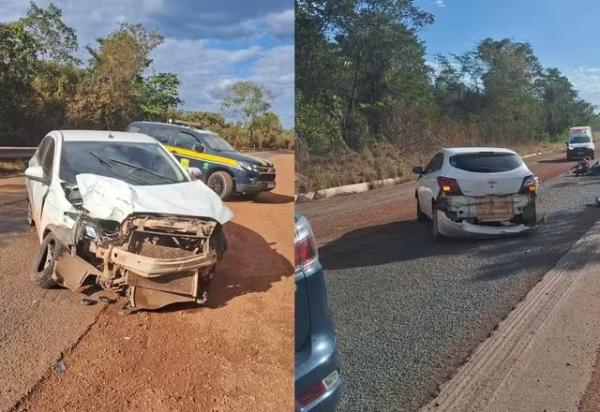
[382, 161]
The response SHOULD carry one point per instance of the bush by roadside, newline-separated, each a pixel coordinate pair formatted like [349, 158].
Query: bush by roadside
[12, 167]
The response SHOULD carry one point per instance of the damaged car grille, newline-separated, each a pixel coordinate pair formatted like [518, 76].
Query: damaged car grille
[154, 260]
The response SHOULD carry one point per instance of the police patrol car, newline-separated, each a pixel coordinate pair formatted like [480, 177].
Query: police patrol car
[224, 170]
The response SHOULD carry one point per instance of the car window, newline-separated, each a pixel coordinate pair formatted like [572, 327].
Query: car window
[185, 140]
[580, 139]
[435, 164]
[486, 162]
[134, 128]
[48, 158]
[134, 163]
[165, 135]
[42, 149]
[216, 142]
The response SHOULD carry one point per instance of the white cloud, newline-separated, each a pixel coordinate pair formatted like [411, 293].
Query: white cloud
[275, 70]
[586, 80]
[440, 3]
[205, 72]
[281, 24]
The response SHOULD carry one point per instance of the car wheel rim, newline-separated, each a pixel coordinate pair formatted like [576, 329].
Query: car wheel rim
[216, 184]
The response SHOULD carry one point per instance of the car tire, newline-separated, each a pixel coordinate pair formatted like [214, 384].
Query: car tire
[30, 221]
[43, 264]
[530, 215]
[221, 183]
[435, 229]
[421, 217]
[218, 241]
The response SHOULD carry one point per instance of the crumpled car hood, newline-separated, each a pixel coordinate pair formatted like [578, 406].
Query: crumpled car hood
[112, 199]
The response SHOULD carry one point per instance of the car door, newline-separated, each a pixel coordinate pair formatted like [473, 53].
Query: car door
[45, 159]
[427, 185]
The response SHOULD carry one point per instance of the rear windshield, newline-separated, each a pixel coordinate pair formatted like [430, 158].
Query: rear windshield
[580, 139]
[486, 162]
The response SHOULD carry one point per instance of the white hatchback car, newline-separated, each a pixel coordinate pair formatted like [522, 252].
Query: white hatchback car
[477, 192]
[119, 207]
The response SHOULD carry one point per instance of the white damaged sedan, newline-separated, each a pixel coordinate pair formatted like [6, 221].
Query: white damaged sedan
[119, 208]
[477, 192]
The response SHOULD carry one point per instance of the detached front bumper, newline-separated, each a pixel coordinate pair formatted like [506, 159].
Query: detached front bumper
[157, 282]
[154, 260]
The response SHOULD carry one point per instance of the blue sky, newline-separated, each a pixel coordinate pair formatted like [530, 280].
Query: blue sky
[209, 43]
[563, 33]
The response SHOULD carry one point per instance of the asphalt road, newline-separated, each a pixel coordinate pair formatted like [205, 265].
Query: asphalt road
[409, 310]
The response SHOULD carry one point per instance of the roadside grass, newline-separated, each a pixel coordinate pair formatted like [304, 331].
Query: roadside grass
[380, 161]
[12, 167]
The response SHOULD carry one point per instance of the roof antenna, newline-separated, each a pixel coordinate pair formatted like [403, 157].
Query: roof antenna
[108, 127]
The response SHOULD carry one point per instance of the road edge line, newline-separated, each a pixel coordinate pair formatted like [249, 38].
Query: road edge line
[543, 353]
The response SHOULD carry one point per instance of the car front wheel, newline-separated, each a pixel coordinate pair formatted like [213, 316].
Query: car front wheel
[43, 264]
[221, 183]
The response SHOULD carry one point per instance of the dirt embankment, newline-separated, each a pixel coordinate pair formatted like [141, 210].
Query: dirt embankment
[232, 354]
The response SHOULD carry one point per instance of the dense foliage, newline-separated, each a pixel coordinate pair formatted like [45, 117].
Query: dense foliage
[45, 86]
[362, 81]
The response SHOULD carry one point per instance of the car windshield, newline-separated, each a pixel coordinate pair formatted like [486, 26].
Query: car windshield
[216, 143]
[134, 163]
[580, 139]
[486, 162]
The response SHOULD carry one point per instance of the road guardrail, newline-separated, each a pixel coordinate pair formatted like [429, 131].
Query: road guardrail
[14, 153]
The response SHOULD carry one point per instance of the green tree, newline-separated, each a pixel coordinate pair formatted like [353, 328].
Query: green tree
[510, 101]
[55, 40]
[18, 50]
[111, 93]
[160, 93]
[245, 100]
[267, 130]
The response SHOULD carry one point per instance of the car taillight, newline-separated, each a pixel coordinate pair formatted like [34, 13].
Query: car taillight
[306, 250]
[449, 186]
[313, 393]
[316, 391]
[530, 185]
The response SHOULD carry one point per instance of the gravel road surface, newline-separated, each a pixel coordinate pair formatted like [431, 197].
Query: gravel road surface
[409, 310]
[226, 355]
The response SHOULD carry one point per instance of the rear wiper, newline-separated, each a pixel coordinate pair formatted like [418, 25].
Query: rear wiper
[142, 168]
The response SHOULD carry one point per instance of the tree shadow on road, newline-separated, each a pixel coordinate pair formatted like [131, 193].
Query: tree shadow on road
[388, 243]
[559, 160]
[14, 218]
[407, 240]
[264, 197]
[251, 265]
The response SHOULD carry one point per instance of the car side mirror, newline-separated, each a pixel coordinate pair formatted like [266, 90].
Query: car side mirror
[195, 173]
[198, 148]
[36, 173]
[418, 170]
